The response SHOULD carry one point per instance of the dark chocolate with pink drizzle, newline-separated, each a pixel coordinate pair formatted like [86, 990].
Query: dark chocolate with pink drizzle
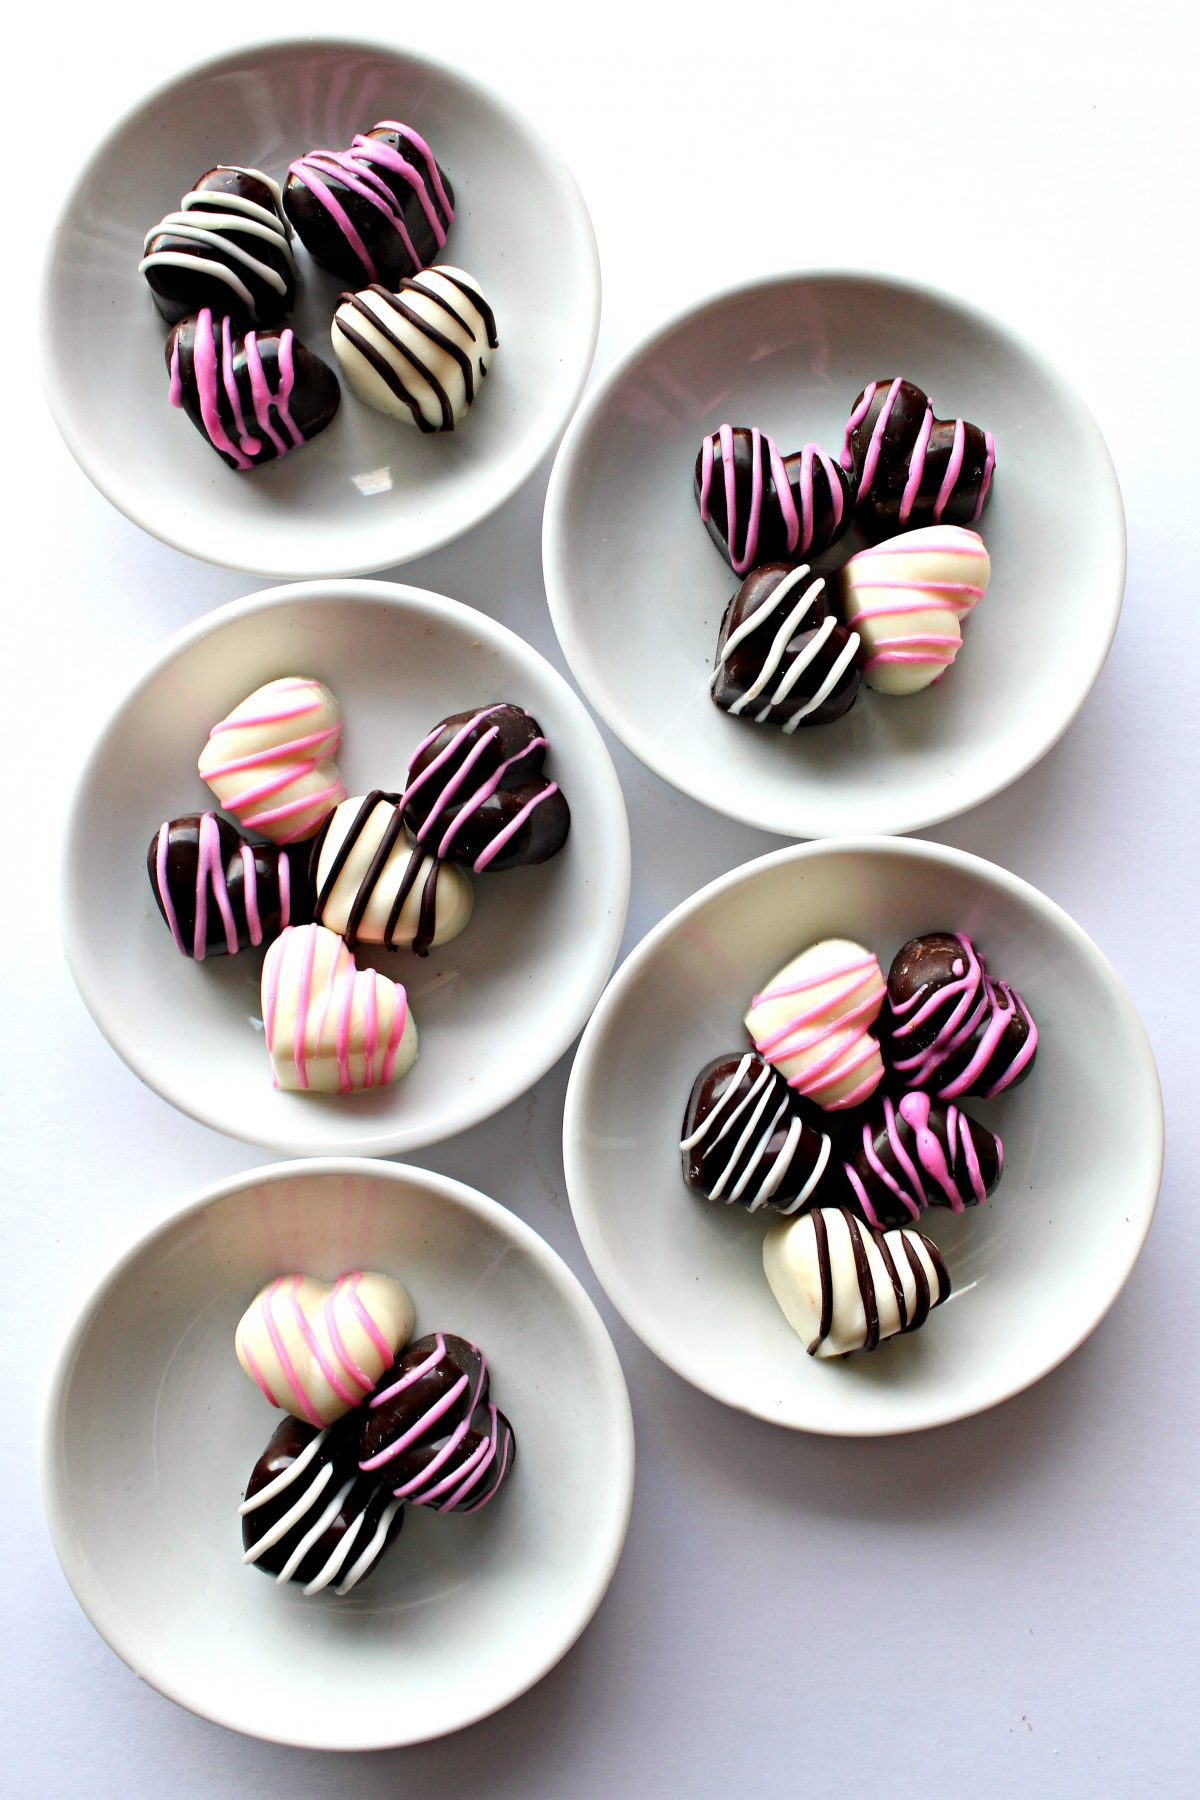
[913, 1152]
[912, 468]
[253, 398]
[478, 794]
[378, 211]
[760, 506]
[948, 1026]
[218, 892]
[431, 1432]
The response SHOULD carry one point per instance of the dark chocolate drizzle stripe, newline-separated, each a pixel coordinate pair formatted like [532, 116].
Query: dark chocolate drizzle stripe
[479, 303]
[821, 1235]
[387, 373]
[893, 1273]
[393, 833]
[866, 1284]
[392, 377]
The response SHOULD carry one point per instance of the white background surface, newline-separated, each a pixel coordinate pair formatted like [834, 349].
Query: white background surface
[1005, 1607]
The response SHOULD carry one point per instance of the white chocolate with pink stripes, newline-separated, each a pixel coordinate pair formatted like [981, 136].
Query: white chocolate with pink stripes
[907, 597]
[812, 1023]
[271, 762]
[317, 1348]
[331, 1027]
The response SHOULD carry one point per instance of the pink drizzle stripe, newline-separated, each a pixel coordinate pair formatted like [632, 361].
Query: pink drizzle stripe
[499, 1477]
[417, 1430]
[315, 1351]
[160, 871]
[912, 486]
[281, 1355]
[258, 1375]
[431, 1362]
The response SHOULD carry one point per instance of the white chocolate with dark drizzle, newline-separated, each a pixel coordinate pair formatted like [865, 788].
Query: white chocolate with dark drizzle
[419, 354]
[375, 885]
[843, 1287]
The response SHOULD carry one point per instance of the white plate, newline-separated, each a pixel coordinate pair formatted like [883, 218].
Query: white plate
[495, 1007]
[637, 589]
[1034, 1270]
[152, 1429]
[368, 493]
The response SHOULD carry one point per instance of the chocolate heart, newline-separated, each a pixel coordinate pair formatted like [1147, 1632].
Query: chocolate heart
[431, 1432]
[226, 248]
[906, 598]
[950, 1027]
[812, 1023]
[253, 398]
[218, 892]
[317, 1348]
[782, 656]
[843, 1287]
[420, 354]
[760, 506]
[374, 885]
[746, 1139]
[270, 762]
[375, 212]
[477, 794]
[310, 1515]
[913, 469]
[913, 1153]
[330, 1025]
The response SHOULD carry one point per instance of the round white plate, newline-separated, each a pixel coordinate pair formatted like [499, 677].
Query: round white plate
[637, 588]
[369, 492]
[1034, 1270]
[494, 1008]
[152, 1429]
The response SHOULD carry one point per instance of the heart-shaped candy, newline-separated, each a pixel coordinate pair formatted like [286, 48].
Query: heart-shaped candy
[217, 892]
[811, 1023]
[746, 1139]
[375, 212]
[477, 792]
[913, 469]
[270, 762]
[906, 597]
[310, 1515]
[761, 506]
[782, 657]
[913, 1152]
[420, 354]
[252, 398]
[331, 1026]
[950, 1027]
[228, 248]
[374, 885]
[317, 1348]
[843, 1287]
[432, 1433]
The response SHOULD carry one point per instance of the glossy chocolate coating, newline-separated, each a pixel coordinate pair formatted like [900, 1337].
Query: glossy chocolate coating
[766, 532]
[180, 290]
[367, 1514]
[910, 1153]
[457, 821]
[747, 1138]
[948, 1027]
[391, 261]
[313, 399]
[430, 1431]
[427, 922]
[249, 896]
[775, 683]
[885, 504]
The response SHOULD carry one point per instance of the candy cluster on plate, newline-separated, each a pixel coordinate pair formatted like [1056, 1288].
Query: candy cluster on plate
[372, 1427]
[414, 337]
[844, 1121]
[807, 627]
[387, 870]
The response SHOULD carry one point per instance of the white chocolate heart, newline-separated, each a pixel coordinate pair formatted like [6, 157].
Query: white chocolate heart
[317, 1348]
[906, 598]
[811, 1022]
[388, 904]
[331, 1026]
[843, 1287]
[419, 354]
[270, 762]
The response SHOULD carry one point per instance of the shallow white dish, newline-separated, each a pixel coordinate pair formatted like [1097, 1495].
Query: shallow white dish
[368, 493]
[1034, 1270]
[637, 589]
[495, 1007]
[151, 1430]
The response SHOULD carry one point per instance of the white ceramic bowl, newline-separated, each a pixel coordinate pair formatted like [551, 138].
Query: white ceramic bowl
[1034, 1270]
[369, 492]
[495, 1007]
[637, 589]
[151, 1431]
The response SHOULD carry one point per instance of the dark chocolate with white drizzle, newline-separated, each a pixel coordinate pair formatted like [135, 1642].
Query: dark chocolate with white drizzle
[431, 1432]
[253, 398]
[381, 816]
[747, 1139]
[218, 892]
[760, 506]
[783, 657]
[911, 1152]
[376, 212]
[477, 791]
[912, 468]
[228, 247]
[949, 1026]
[310, 1514]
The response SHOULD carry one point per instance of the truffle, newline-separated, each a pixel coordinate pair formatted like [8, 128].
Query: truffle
[782, 657]
[228, 248]
[253, 398]
[910, 468]
[761, 506]
[376, 212]
[843, 1287]
[746, 1139]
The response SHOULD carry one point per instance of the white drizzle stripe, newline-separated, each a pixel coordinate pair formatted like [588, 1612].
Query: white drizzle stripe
[373, 1549]
[292, 1517]
[740, 1146]
[787, 1151]
[324, 1521]
[332, 1567]
[764, 609]
[285, 1478]
[823, 692]
[689, 1143]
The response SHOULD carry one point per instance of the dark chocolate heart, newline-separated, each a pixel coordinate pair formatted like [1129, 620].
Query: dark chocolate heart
[253, 398]
[760, 506]
[430, 1430]
[912, 1152]
[477, 793]
[376, 212]
[226, 248]
[748, 1139]
[782, 656]
[911, 468]
[217, 891]
[948, 1026]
